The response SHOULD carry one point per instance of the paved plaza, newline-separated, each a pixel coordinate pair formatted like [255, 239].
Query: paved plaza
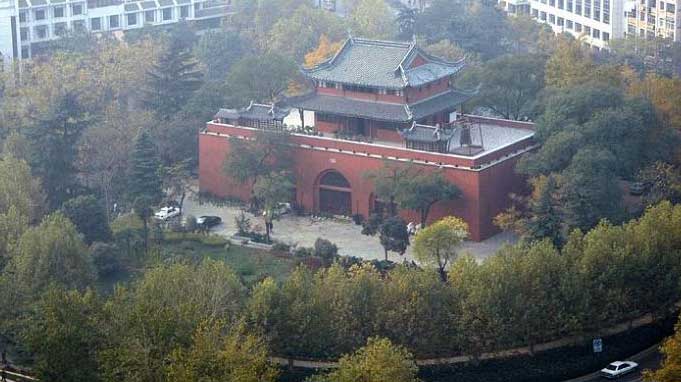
[304, 230]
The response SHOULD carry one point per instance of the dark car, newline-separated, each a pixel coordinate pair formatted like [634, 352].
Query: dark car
[208, 221]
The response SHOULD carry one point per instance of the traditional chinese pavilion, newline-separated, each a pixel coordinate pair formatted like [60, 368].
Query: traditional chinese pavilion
[376, 102]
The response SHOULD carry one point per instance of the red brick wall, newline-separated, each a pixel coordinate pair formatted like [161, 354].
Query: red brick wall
[485, 193]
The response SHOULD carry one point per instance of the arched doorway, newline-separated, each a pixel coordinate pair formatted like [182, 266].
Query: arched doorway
[335, 194]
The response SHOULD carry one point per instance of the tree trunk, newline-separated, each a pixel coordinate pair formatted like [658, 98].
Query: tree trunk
[184, 194]
[146, 236]
[386, 254]
[443, 274]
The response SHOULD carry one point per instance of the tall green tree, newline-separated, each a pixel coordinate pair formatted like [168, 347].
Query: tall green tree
[55, 136]
[259, 78]
[171, 82]
[421, 191]
[270, 191]
[394, 236]
[373, 19]
[144, 180]
[64, 336]
[436, 244]
[89, 217]
[218, 50]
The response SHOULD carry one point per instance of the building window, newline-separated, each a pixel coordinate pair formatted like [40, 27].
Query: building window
[23, 33]
[22, 17]
[569, 6]
[77, 9]
[114, 22]
[587, 8]
[606, 11]
[561, 4]
[552, 3]
[24, 52]
[542, 16]
[587, 30]
[184, 11]
[671, 8]
[578, 7]
[166, 14]
[606, 36]
[561, 22]
[568, 24]
[41, 32]
[78, 25]
[552, 19]
[578, 27]
[535, 13]
[59, 29]
[58, 12]
[149, 16]
[96, 24]
[132, 19]
[596, 33]
[40, 14]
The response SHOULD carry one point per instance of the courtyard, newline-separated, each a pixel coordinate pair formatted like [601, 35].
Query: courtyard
[304, 230]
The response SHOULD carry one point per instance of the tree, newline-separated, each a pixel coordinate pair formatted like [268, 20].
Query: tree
[447, 50]
[142, 208]
[378, 361]
[671, 364]
[89, 217]
[218, 50]
[323, 52]
[572, 65]
[171, 82]
[406, 20]
[422, 190]
[436, 244]
[248, 161]
[510, 84]
[259, 78]
[394, 235]
[20, 190]
[270, 191]
[373, 19]
[215, 356]
[664, 182]
[663, 93]
[176, 179]
[388, 182]
[52, 253]
[143, 179]
[64, 336]
[55, 138]
[288, 39]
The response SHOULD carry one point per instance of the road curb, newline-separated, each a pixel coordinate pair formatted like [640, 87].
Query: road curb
[636, 357]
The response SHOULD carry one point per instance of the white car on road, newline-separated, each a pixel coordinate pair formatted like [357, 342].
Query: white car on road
[167, 213]
[618, 369]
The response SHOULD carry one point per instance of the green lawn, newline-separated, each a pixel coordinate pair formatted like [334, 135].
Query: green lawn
[250, 264]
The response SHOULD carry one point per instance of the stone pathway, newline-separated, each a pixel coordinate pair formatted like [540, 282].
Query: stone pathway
[303, 231]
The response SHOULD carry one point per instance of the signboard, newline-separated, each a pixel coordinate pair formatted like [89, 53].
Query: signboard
[598, 345]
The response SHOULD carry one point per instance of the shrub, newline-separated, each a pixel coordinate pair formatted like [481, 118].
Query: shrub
[303, 252]
[243, 224]
[281, 247]
[107, 258]
[325, 250]
[358, 219]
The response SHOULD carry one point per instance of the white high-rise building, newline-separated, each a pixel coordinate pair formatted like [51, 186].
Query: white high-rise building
[26, 25]
[655, 18]
[596, 21]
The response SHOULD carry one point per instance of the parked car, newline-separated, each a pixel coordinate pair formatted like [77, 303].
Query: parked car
[283, 209]
[167, 213]
[208, 221]
[618, 369]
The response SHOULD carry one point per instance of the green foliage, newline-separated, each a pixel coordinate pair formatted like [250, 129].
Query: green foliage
[107, 258]
[218, 50]
[325, 250]
[422, 190]
[260, 78]
[373, 19]
[52, 253]
[215, 356]
[394, 236]
[89, 217]
[144, 180]
[161, 312]
[671, 350]
[436, 245]
[64, 334]
[379, 361]
[171, 81]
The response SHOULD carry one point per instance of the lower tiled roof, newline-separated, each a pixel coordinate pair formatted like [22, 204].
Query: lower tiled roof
[379, 111]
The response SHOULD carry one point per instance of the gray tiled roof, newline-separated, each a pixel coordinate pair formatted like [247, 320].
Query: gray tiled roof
[255, 111]
[441, 102]
[383, 64]
[353, 108]
[379, 110]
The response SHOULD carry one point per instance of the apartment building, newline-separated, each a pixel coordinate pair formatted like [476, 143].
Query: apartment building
[654, 18]
[26, 25]
[596, 21]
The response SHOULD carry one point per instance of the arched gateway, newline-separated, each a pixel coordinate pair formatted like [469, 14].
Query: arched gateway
[334, 194]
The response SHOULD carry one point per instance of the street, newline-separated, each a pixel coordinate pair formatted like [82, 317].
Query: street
[651, 361]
